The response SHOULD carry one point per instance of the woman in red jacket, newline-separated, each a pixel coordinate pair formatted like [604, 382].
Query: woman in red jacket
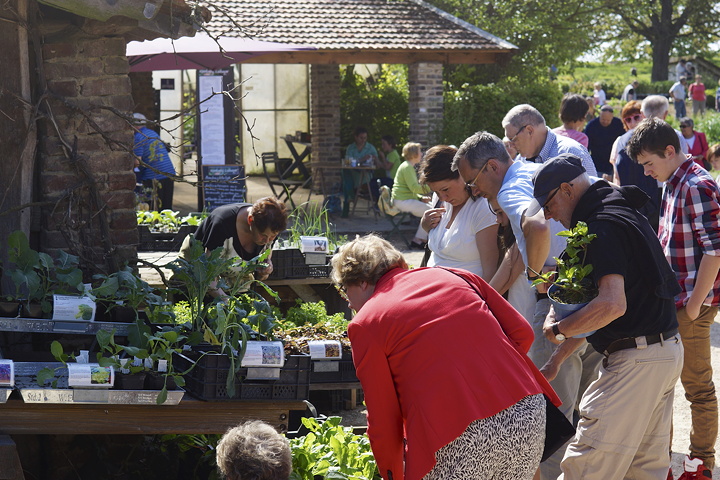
[441, 357]
[697, 143]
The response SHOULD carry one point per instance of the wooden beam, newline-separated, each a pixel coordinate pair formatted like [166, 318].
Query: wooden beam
[344, 57]
[189, 417]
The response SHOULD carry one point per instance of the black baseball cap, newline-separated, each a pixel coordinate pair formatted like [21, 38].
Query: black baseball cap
[556, 171]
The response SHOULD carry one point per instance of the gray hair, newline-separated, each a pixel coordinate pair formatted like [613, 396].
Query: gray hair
[254, 451]
[655, 106]
[687, 121]
[521, 115]
[479, 148]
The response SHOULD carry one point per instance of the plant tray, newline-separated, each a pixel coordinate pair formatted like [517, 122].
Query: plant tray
[291, 263]
[4, 394]
[207, 381]
[333, 371]
[162, 242]
[25, 373]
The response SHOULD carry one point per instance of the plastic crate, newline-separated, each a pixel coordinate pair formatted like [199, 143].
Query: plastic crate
[207, 381]
[162, 242]
[285, 261]
[345, 371]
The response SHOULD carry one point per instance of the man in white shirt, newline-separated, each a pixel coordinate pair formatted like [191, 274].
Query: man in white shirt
[678, 94]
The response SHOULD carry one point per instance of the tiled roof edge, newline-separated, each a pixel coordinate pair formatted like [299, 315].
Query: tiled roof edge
[501, 43]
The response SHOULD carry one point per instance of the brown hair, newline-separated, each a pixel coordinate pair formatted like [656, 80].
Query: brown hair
[436, 164]
[630, 108]
[254, 451]
[652, 136]
[270, 213]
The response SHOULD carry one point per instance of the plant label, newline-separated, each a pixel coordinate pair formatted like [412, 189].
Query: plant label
[90, 375]
[313, 244]
[7, 373]
[325, 349]
[264, 354]
[73, 308]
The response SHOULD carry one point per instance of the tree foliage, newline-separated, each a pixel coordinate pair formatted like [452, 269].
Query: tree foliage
[378, 102]
[658, 28]
[558, 32]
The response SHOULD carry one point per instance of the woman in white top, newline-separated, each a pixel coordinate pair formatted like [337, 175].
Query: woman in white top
[463, 231]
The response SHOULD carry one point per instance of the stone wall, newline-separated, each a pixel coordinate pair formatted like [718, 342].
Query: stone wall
[86, 177]
[325, 123]
[425, 102]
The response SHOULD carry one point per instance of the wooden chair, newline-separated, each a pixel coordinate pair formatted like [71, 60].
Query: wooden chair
[278, 174]
[389, 211]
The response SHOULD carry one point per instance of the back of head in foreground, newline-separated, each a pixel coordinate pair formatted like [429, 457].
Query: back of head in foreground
[254, 451]
[365, 259]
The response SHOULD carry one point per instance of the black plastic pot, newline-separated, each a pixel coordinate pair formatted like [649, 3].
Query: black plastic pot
[9, 309]
[156, 381]
[130, 381]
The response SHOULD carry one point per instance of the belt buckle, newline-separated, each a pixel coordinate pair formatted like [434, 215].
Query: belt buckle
[641, 343]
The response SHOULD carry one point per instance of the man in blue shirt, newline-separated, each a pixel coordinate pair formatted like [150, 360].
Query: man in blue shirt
[154, 164]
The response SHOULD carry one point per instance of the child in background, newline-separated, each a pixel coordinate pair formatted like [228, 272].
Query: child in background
[573, 111]
[407, 193]
[713, 156]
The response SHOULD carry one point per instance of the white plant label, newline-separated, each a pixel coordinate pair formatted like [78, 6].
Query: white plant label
[325, 349]
[264, 354]
[73, 308]
[90, 375]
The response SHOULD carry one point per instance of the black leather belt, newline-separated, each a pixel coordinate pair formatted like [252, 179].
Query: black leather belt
[625, 343]
[540, 296]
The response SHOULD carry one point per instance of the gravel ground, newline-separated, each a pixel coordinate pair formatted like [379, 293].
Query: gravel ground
[681, 410]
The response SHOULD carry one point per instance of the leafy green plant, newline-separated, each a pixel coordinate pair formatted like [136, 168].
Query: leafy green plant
[125, 288]
[312, 220]
[332, 451]
[571, 275]
[48, 373]
[37, 276]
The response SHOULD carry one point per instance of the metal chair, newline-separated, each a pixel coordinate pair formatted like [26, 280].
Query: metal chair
[391, 213]
[277, 172]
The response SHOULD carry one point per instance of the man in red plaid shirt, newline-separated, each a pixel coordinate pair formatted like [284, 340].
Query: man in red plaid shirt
[689, 233]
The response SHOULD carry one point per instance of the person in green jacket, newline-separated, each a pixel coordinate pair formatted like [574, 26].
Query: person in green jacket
[407, 193]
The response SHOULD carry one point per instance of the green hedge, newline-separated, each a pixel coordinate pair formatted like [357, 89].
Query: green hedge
[482, 107]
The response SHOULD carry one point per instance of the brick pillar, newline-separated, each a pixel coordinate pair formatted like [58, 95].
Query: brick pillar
[325, 122]
[425, 102]
[86, 171]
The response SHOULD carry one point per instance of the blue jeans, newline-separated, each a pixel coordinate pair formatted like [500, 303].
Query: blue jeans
[680, 110]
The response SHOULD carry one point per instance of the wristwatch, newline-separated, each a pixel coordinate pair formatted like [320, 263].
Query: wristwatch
[556, 330]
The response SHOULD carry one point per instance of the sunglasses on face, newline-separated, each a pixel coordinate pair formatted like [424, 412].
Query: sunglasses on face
[633, 118]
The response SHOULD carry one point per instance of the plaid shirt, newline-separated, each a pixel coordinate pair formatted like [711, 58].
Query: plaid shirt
[690, 226]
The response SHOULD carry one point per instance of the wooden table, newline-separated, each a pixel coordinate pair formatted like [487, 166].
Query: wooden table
[189, 417]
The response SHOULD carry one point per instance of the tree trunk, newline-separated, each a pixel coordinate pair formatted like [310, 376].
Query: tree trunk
[17, 135]
[661, 57]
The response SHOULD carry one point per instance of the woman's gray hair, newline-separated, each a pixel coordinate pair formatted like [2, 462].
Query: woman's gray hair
[365, 259]
[479, 148]
[254, 451]
[687, 121]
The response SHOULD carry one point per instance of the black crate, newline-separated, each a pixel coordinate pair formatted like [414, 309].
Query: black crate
[345, 371]
[162, 242]
[284, 262]
[207, 381]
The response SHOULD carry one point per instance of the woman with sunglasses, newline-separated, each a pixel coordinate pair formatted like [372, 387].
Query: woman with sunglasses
[697, 142]
[631, 116]
[462, 231]
[442, 360]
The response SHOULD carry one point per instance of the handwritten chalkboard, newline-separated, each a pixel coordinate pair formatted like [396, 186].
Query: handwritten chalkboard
[222, 185]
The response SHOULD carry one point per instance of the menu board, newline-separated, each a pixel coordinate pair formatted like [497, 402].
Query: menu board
[222, 185]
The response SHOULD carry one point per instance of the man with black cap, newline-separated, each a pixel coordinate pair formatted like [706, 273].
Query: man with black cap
[626, 414]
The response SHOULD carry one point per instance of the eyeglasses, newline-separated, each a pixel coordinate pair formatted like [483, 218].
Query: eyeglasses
[342, 291]
[472, 184]
[512, 140]
[550, 197]
[633, 118]
[684, 126]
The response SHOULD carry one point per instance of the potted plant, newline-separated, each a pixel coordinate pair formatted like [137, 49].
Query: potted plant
[571, 287]
[122, 293]
[37, 276]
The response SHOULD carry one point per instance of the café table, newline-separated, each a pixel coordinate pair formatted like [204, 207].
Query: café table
[298, 157]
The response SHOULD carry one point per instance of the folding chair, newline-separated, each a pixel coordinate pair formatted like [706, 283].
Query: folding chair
[389, 211]
[277, 172]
